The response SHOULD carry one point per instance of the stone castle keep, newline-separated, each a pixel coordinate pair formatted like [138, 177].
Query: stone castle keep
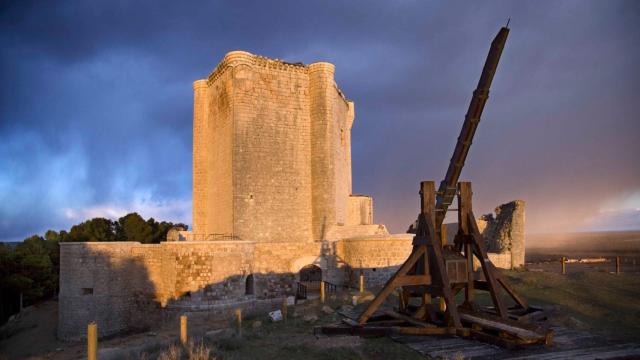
[272, 196]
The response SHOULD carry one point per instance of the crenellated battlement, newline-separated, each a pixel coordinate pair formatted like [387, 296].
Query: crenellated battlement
[236, 58]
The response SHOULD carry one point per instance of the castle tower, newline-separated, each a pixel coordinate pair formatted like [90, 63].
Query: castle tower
[271, 152]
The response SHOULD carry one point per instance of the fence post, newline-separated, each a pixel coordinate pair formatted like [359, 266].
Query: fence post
[564, 265]
[284, 309]
[443, 304]
[92, 341]
[361, 282]
[183, 329]
[239, 321]
[322, 291]
[617, 265]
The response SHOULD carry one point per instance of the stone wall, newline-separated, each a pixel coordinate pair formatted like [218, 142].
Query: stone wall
[212, 156]
[360, 210]
[112, 284]
[123, 285]
[272, 176]
[504, 234]
[377, 257]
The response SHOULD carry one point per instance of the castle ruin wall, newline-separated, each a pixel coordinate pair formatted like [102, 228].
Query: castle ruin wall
[272, 193]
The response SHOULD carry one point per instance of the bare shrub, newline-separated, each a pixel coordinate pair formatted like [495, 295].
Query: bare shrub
[199, 352]
[172, 353]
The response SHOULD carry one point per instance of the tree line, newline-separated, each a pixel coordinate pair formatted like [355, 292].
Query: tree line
[29, 271]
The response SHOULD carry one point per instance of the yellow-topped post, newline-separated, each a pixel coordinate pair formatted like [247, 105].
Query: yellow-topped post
[183, 329]
[284, 309]
[239, 321]
[92, 341]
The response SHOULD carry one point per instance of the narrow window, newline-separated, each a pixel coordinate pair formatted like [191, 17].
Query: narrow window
[87, 291]
[248, 286]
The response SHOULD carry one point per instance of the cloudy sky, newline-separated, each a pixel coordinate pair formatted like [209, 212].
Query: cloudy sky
[96, 102]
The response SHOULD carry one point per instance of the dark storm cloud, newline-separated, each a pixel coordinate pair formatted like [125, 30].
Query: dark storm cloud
[96, 102]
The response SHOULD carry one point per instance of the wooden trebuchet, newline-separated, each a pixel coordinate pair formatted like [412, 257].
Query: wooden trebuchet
[435, 269]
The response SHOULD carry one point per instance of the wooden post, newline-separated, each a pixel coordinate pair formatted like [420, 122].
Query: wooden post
[239, 321]
[617, 265]
[564, 265]
[488, 269]
[443, 234]
[183, 329]
[284, 309]
[402, 300]
[361, 282]
[322, 291]
[464, 209]
[427, 209]
[92, 341]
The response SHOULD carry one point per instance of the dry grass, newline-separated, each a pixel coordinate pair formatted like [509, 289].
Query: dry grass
[191, 351]
[199, 352]
[598, 301]
[172, 353]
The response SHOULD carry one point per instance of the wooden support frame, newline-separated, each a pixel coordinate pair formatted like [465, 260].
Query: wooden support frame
[424, 274]
[471, 238]
[391, 284]
[475, 246]
[415, 270]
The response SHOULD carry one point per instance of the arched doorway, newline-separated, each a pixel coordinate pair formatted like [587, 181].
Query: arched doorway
[248, 285]
[311, 273]
[310, 277]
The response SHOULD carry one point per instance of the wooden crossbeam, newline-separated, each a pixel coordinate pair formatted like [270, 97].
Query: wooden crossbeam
[517, 298]
[408, 319]
[417, 252]
[412, 280]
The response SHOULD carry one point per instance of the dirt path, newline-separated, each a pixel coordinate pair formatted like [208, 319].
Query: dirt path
[33, 336]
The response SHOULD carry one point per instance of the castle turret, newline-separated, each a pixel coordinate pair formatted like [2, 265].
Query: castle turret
[201, 158]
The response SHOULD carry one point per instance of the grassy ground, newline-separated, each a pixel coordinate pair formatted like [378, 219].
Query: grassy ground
[600, 302]
[294, 339]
